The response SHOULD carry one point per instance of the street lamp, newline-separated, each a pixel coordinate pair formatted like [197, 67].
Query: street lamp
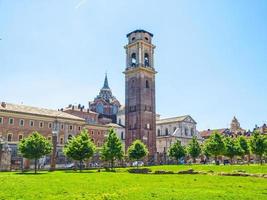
[55, 133]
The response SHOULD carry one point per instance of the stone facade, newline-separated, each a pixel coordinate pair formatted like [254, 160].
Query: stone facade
[140, 110]
[169, 130]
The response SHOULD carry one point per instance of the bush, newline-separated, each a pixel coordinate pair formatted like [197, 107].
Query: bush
[163, 172]
[139, 171]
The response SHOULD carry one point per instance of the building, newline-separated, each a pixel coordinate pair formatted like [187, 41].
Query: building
[105, 104]
[234, 130]
[140, 110]
[181, 128]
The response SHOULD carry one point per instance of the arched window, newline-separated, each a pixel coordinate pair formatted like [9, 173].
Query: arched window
[166, 131]
[147, 84]
[133, 60]
[146, 60]
[99, 108]
[158, 132]
[61, 140]
[69, 137]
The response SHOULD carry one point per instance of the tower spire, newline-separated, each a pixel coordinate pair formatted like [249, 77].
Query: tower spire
[106, 86]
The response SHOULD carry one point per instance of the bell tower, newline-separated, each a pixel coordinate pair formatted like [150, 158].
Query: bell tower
[140, 111]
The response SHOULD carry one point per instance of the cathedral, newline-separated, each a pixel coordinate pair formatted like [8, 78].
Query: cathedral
[105, 104]
[137, 119]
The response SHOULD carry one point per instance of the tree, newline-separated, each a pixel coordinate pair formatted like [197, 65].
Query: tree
[112, 149]
[34, 147]
[194, 149]
[258, 144]
[215, 145]
[177, 151]
[243, 142]
[232, 148]
[80, 148]
[137, 151]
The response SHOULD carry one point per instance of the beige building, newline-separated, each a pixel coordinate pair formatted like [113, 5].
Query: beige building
[169, 130]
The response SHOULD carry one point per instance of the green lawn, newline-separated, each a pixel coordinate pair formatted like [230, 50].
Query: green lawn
[122, 185]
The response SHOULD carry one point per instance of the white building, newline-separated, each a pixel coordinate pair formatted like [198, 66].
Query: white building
[169, 130]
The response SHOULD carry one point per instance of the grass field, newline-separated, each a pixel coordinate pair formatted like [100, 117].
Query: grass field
[122, 185]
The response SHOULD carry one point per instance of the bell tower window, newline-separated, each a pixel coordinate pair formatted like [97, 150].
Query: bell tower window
[147, 84]
[146, 60]
[133, 59]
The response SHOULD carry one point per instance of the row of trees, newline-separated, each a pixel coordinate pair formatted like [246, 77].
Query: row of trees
[218, 145]
[81, 148]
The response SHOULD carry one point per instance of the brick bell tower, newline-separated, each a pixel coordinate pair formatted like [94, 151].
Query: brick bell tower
[140, 110]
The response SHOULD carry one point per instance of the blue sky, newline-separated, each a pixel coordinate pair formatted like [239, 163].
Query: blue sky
[211, 56]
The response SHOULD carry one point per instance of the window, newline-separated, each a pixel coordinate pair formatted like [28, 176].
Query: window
[61, 140]
[146, 60]
[92, 140]
[133, 60]
[158, 132]
[166, 131]
[79, 128]
[147, 84]
[186, 131]
[98, 132]
[20, 137]
[62, 126]
[133, 38]
[192, 131]
[21, 122]
[100, 108]
[71, 127]
[1, 120]
[11, 121]
[122, 135]
[69, 137]
[31, 123]
[41, 124]
[146, 38]
[9, 137]
[115, 109]
[174, 129]
[119, 120]
[92, 132]
[50, 125]
[148, 126]
[98, 144]
[49, 138]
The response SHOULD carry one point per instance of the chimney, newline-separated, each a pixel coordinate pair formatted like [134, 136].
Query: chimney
[3, 104]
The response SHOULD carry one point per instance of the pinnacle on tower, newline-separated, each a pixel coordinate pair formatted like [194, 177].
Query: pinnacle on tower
[106, 86]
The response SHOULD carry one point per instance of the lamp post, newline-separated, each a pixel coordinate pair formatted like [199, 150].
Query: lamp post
[55, 133]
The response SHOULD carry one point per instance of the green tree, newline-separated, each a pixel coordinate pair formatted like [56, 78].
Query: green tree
[243, 142]
[177, 151]
[194, 149]
[80, 148]
[137, 151]
[34, 147]
[215, 145]
[112, 149]
[258, 144]
[232, 148]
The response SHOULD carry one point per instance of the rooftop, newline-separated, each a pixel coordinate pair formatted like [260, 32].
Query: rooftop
[23, 109]
[139, 31]
[172, 119]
